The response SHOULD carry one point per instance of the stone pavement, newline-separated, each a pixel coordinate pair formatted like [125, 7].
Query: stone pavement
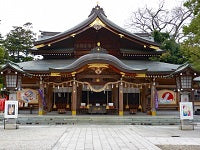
[97, 137]
[103, 137]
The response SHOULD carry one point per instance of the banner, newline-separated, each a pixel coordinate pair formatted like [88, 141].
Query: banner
[42, 96]
[166, 97]
[28, 96]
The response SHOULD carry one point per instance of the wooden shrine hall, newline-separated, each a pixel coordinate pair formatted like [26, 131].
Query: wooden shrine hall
[97, 67]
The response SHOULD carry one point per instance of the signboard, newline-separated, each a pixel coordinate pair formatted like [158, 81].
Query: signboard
[186, 110]
[11, 109]
[28, 96]
[166, 97]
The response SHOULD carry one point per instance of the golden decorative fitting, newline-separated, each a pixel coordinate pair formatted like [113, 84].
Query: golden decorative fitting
[39, 46]
[98, 68]
[121, 35]
[154, 47]
[97, 24]
[97, 80]
[73, 35]
[140, 75]
[55, 74]
[73, 74]
[98, 43]
[122, 73]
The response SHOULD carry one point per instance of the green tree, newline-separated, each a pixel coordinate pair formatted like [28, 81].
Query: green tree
[2, 54]
[172, 54]
[191, 46]
[18, 41]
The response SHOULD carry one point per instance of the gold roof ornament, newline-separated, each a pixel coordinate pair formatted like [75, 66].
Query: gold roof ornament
[97, 24]
[98, 68]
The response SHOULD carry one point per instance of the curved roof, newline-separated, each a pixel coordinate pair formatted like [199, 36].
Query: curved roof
[96, 12]
[44, 65]
[98, 58]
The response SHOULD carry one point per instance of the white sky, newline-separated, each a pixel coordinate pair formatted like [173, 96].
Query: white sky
[60, 15]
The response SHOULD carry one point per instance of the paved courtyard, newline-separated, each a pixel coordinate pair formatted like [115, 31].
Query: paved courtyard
[99, 137]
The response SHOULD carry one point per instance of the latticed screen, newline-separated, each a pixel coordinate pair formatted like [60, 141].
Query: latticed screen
[11, 81]
[186, 82]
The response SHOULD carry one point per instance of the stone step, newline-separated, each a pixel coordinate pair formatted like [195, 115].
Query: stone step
[98, 119]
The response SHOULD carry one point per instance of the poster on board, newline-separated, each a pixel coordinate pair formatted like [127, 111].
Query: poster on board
[166, 97]
[11, 109]
[186, 110]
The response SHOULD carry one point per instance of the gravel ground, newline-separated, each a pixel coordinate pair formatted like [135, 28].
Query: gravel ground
[179, 147]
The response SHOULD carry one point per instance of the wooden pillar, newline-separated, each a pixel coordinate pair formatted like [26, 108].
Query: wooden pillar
[142, 98]
[115, 96]
[153, 87]
[74, 98]
[41, 110]
[121, 111]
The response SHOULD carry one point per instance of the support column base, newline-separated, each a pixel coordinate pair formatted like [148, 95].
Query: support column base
[153, 113]
[41, 112]
[73, 112]
[121, 113]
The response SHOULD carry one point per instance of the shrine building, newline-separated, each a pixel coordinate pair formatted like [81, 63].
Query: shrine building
[98, 67]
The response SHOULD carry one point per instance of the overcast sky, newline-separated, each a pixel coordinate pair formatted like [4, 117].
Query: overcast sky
[60, 15]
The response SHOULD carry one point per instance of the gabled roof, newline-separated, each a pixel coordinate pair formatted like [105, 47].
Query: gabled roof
[14, 67]
[97, 13]
[183, 68]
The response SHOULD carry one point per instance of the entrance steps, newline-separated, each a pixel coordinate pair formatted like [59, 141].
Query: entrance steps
[62, 119]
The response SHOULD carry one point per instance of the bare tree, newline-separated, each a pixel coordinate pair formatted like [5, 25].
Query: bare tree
[148, 20]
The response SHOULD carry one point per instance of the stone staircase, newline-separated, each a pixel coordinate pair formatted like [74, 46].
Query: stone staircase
[64, 119]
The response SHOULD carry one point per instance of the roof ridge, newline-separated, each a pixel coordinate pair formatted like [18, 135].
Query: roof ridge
[97, 10]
